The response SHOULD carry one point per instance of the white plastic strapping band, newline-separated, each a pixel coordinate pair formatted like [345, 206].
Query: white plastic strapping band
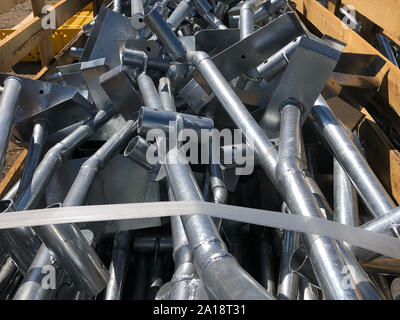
[381, 243]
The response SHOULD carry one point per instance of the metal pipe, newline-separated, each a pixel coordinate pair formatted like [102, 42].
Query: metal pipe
[32, 287]
[45, 277]
[149, 92]
[117, 6]
[118, 266]
[20, 243]
[232, 155]
[166, 94]
[7, 272]
[222, 275]
[308, 291]
[363, 178]
[264, 150]
[324, 253]
[268, 9]
[276, 63]
[79, 190]
[265, 265]
[246, 20]
[288, 283]
[8, 109]
[204, 10]
[36, 145]
[137, 14]
[186, 284]
[135, 58]
[180, 13]
[221, 9]
[164, 33]
[137, 150]
[141, 55]
[167, 121]
[71, 257]
[56, 156]
[217, 183]
[75, 255]
[266, 155]
[82, 264]
[384, 224]
[344, 196]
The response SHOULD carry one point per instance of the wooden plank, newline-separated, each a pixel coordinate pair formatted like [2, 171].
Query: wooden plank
[383, 158]
[14, 174]
[388, 96]
[384, 13]
[45, 45]
[8, 4]
[334, 6]
[14, 47]
[369, 29]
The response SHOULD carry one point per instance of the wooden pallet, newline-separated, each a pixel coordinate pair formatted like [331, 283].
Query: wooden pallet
[31, 33]
[327, 22]
[49, 64]
[376, 16]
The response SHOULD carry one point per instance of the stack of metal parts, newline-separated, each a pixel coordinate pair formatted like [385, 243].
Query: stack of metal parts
[149, 71]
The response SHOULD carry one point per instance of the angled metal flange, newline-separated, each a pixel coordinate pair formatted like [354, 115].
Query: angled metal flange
[133, 185]
[91, 71]
[358, 70]
[71, 76]
[61, 106]
[310, 66]
[119, 86]
[238, 59]
[109, 28]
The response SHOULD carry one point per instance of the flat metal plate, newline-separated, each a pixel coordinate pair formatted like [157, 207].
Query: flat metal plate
[104, 41]
[103, 133]
[91, 71]
[121, 181]
[150, 47]
[359, 64]
[359, 70]
[61, 105]
[119, 86]
[214, 41]
[309, 68]
[256, 48]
